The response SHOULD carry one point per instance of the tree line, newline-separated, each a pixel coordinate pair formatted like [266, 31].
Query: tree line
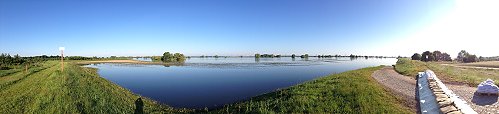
[462, 56]
[318, 56]
[6, 59]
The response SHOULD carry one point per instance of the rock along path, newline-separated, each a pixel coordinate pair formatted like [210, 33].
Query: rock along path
[401, 86]
[483, 104]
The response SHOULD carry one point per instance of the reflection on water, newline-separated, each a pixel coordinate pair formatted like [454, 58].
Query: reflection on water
[212, 82]
[148, 59]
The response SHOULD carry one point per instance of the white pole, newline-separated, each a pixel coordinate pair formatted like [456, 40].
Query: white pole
[62, 58]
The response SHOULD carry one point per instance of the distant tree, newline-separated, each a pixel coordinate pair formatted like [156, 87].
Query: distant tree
[431, 57]
[464, 56]
[351, 55]
[179, 57]
[437, 55]
[304, 56]
[461, 55]
[446, 57]
[416, 56]
[470, 58]
[427, 56]
[293, 56]
[168, 57]
[257, 55]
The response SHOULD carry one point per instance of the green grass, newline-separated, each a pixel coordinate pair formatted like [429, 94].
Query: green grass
[470, 76]
[349, 92]
[76, 90]
[409, 67]
[8, 72]
[19, 75]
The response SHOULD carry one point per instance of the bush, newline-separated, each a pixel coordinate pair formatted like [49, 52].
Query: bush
[416, 56]
[168, 57]
[464, 56]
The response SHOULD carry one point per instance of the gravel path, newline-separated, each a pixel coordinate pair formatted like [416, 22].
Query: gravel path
[482, 104]
[402, 86]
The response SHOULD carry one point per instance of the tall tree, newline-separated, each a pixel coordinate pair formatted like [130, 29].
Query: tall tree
[446, 57]
[167, 57]
[461, 55]
[427, 56]
[437, 55]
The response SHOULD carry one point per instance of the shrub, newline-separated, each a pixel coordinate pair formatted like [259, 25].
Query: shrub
[168, 57]
[416, 56]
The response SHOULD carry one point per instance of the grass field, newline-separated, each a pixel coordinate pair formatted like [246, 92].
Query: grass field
[349, 92]
[470, 76]
[46, 89]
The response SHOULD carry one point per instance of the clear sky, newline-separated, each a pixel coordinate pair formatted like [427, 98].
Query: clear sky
[245, 27]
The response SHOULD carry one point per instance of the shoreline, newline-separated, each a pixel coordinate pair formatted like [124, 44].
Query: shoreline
[128, 61]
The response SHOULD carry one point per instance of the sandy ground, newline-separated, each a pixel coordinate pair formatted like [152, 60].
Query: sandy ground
[402, 87]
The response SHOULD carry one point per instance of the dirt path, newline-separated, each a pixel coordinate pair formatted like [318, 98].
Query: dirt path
[402, 86]
[482, 104]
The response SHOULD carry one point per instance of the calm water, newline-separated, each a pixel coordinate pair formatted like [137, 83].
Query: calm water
[212, 82]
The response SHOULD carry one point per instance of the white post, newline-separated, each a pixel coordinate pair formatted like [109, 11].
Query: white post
[62, 58]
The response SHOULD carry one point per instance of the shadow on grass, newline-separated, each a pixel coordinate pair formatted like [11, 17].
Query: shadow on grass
[484, 99]
[139, 106]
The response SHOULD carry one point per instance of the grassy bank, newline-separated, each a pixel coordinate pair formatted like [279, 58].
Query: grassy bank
[76, 90]
[349, 92]
[470, 76]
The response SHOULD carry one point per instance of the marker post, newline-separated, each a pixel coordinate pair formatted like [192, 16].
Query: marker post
[62, 58]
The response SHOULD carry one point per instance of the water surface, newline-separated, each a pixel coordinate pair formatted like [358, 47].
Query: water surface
[212, 82]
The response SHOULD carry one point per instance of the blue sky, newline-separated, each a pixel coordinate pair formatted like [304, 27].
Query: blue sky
[214, 27]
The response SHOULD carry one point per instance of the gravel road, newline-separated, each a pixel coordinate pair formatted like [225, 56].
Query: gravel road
[402, 86]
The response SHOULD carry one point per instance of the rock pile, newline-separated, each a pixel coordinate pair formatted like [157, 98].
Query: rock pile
[487, 87]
